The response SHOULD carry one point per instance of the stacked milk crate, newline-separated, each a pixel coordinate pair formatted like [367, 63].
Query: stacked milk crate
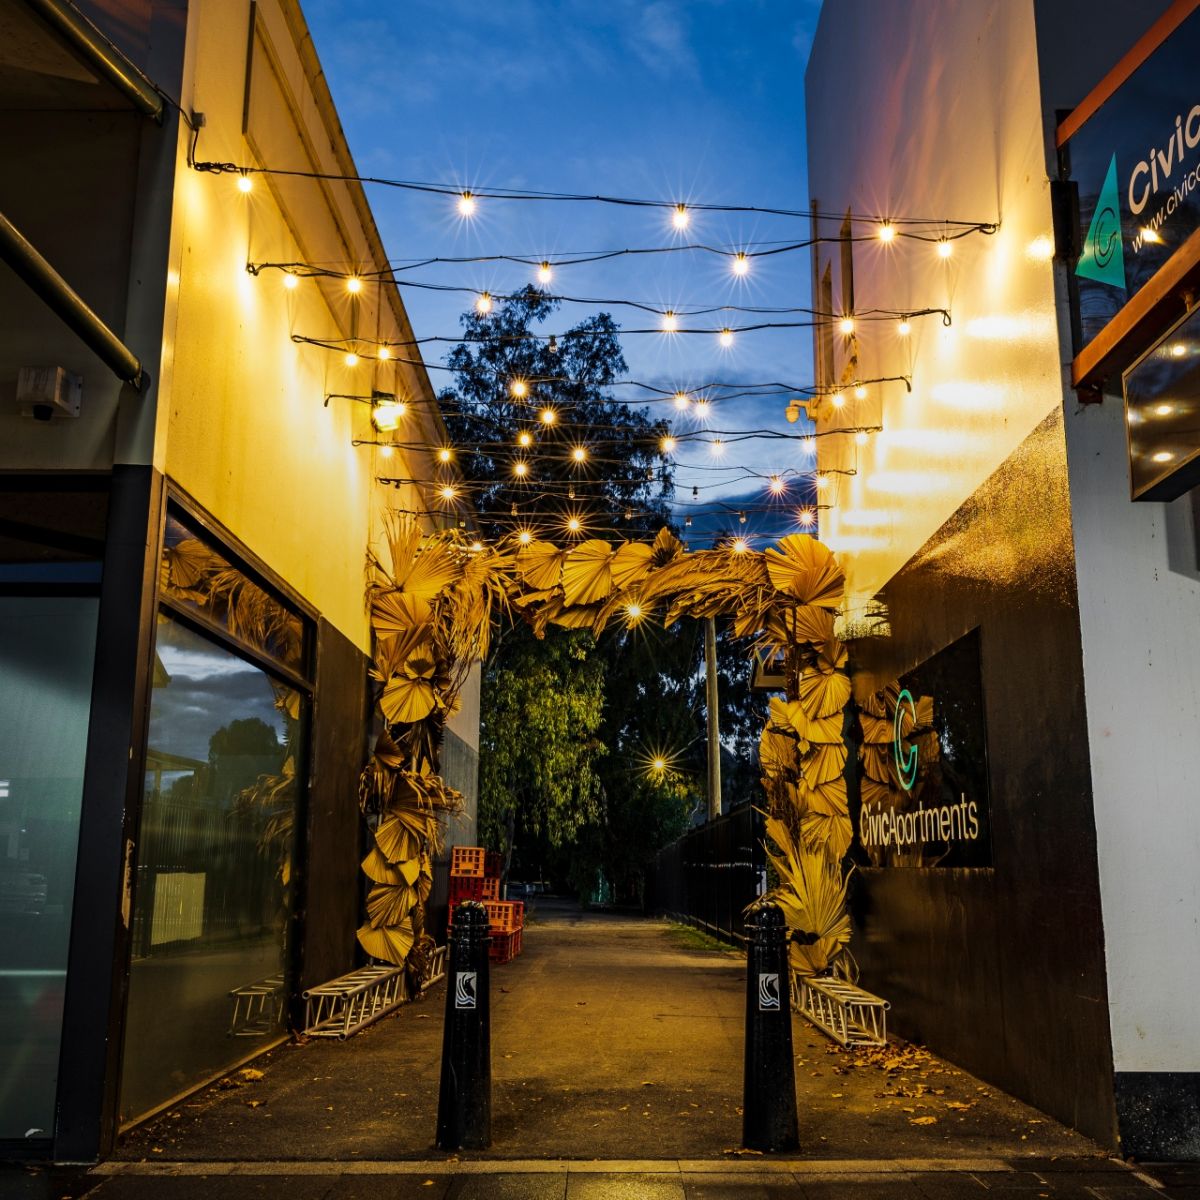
[475, 875]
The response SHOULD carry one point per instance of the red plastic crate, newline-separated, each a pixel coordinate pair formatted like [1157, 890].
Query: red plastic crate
[490, 889]
[468, 887]
[467, 860]
[492, 863]
[505, 916]
[505, 946]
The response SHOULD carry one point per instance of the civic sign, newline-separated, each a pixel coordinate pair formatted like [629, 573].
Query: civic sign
[1136, 163]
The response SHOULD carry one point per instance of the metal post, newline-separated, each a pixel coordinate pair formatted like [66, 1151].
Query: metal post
[464, 1120]
[712, 703]
[769, 1084]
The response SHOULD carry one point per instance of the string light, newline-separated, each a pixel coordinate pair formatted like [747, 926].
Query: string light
[741, 264]
[290, 281]
[245, 183]
[846, 326]
[579, 454]
[776, 485]
[448, 492]
[633, 610]
[545, 274]
[445, 454]
[861, 437]
[670, 322]
[658, 765]
[809, 445]
[574, 524]
[518, 389]
[351, 359]
[680, 217]
[887, 232]
[806, 517]
[387, 414]
[740, 545]
[945, 248]
[837, 399]
[667, 445]
[717, 447]
[383, 354]
[822, 482]
[702, 409]
[354, 285]
[520, 469]
[524, 537]
[386, 450]
[726, 337]
[860, 392]
[682, 400]
[741, 518]
[484, 303]
[904, 328]
[466, 205]
[549, 416]
[476, 546]
[525, 438]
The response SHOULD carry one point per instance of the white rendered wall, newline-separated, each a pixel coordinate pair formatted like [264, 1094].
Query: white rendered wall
[931, 109]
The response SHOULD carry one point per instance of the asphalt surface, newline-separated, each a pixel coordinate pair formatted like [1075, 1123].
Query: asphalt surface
[617, 1070]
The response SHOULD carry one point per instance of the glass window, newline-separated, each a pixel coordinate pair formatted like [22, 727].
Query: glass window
[199, 577]
[214, 860]
[47, 652]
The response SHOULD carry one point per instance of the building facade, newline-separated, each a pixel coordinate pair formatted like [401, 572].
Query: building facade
[996, 561]
[187, 499]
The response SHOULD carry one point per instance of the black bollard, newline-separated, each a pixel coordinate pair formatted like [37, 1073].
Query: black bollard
[464, 1120]
[769, 1087]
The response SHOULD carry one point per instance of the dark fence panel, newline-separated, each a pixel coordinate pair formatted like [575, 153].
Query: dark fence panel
[709, 876]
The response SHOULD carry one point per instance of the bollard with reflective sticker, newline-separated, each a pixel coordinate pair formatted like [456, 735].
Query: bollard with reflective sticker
[769, 1087]
[464, 1120]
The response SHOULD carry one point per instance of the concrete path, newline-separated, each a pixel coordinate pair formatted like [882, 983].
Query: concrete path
[612, 1038]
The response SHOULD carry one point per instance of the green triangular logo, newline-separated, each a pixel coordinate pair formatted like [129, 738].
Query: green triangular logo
[1103, 257]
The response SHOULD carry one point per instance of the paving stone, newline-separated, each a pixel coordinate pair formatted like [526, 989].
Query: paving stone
[391, 1187]
[209, 1187]
[508, 1187]
[624, 1187]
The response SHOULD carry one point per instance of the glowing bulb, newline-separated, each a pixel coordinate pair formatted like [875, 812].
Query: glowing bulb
[354, 285]
[670, 322]
[945, 248]
[477, 546]
[837, 400]
[904, 328]
[545, 274]
[806, 516]
[290, 281]
[887, 232]
[702, 408]
[822, 481]
[717, 447]
[521, 469]
[846, 325]
[524, 537]
[659, 764]
[741, 264]
[449, 492]
[633, 611]
[383, 353]
[739, 546]
[1151, 235]
[574, 524]
[1163, 456]
[667, 445]
[810, 445]
[1163, 410]
[741, 518]
[466, 205]
[776, 485]
[387, 415]
[484, 303]
[579, 454]
[386, 451]
[861, 437]
[549, 416]
[524, 438]
[680, 217]
[681, 400]
[445, 454]
[726, 338]
[245, 183]
[1178, 350]
[1041, 249]
[518, 389]
[351, 359]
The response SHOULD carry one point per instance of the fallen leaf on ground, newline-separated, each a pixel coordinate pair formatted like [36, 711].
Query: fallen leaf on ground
[249, 1074]
[922, 1120]
[254, 1103]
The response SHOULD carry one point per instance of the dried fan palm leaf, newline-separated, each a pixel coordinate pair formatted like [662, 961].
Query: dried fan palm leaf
[586, 573]
[823, 694]
[398, 612]
[376, 868]
[387, 906]
[805, 568]
[539, 565]
[631, 563]
[389, 944]
[396, 840]
[824, 763]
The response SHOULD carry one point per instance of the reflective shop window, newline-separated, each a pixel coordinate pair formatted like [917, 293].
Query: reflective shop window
[199, 577]
[47, 652]
[212, 896]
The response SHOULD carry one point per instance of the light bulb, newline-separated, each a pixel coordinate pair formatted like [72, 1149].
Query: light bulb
[449, 492]
[741, 264]
[846, 325]
[574, 524]
[887, 232]
[667, 445]
[524, 537]
[776, 485]
[351, 359]
[904, 328]
[822, 481]
[659, 764]
[476, 546]
[945, 248]
[861, 437]
[860, 392]
[670, 322]
[579, 454]
[245, 183]
[681, 400]
[387, 414]
[806, 516]
[520, 469]
[549, 416]
[837, 400]
[1163, 410]
[634, 612]
[717, 447]
[290, 281]
[354, 285]
[726, 338]
[1151, 235]
[445, 454]
[810, 445]
[383, 353]
[741, 518]
[545, 274]
[1178, 350]
[702, 409]
[484, 303]
[386, 451]
[466, 205]
[524, 438]
[680, 217]
[740, 546]
[518, 389]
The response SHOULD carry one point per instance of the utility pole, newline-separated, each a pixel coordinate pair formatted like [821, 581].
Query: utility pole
[714, 731]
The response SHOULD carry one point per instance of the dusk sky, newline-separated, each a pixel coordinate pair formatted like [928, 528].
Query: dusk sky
[699, 101]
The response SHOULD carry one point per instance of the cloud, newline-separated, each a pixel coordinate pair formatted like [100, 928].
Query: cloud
[660, 40]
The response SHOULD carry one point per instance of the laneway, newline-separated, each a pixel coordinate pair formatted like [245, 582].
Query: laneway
[612, 1038]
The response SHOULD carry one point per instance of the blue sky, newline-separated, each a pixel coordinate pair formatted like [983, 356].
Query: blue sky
[692, 100]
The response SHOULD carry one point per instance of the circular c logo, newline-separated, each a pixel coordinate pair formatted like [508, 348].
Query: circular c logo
[905, 756]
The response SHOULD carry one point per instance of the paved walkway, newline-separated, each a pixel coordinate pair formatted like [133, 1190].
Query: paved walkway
[617, 1059]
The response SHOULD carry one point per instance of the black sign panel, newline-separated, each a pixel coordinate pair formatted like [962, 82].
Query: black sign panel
[933, 807]
[1136, 162]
